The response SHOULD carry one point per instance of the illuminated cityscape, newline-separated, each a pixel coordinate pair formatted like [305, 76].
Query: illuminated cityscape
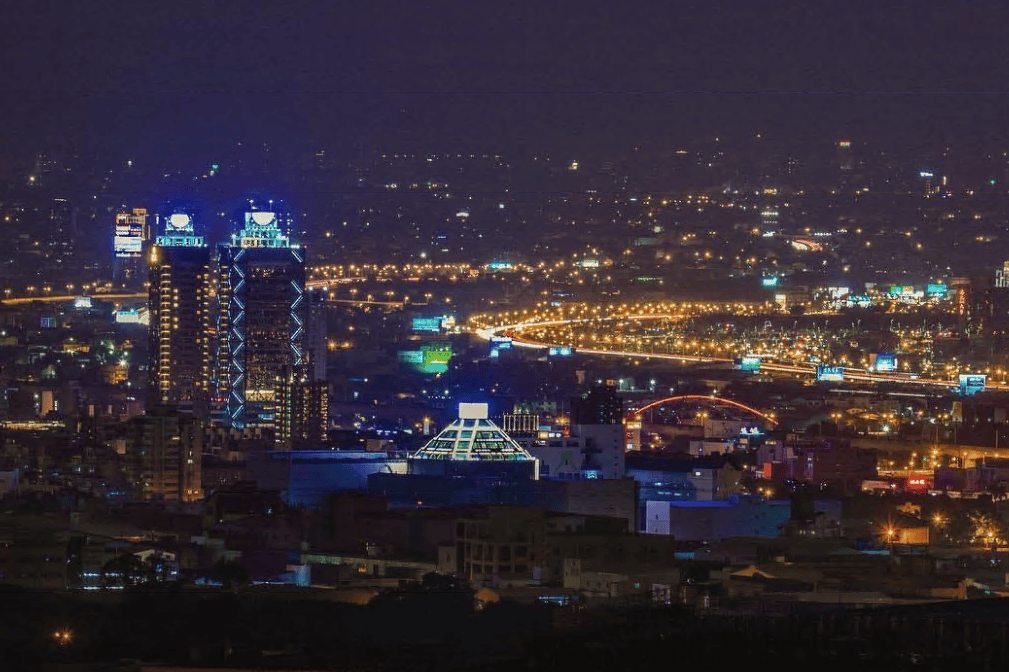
[373, 337]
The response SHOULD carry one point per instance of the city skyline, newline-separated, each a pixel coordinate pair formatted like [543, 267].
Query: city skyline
[346, 336]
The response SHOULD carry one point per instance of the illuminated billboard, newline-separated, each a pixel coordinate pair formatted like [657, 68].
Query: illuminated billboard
[435, 358]
[749, 363]
[838, 293]
[130, 234]
[829, 374]
[936, 290]
[500, 343]
[769, 282]
[426, 324]
[135, 316]
[560, 351]
[884, 361]
[128, 247]
[431, 359]
[412, 357]
[972, 383]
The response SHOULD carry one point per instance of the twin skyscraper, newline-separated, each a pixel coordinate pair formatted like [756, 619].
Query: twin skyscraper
[229, 329]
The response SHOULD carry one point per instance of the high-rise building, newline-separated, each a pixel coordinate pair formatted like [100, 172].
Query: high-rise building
[180, 342]
[1002, 276]
[130, 237]
[163, 455]
[600, 406]
[302, 412]
[262, 316]
[61, 235]
[845, 156]
[598, 419]
[317, 335]
[988, 307]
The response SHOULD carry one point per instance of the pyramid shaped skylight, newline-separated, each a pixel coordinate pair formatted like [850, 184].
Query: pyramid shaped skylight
[473, 438]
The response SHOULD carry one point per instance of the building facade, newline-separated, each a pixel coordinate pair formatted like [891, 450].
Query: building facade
[163, 455]
[302, 415]
[180, 342]
[262, 316]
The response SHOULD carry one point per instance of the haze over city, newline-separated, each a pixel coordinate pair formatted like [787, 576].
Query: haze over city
[389, 335]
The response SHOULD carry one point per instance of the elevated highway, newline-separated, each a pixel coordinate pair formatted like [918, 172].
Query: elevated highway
[965, 452]
[851, 374]
[137, 296]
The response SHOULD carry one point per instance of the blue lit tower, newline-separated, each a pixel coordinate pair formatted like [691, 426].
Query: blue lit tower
[180, 342]
[263, 310]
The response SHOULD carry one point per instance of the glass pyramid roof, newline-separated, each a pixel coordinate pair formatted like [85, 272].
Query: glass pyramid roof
[472, 440]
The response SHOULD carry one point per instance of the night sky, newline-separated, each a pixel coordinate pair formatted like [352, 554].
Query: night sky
[179, 78]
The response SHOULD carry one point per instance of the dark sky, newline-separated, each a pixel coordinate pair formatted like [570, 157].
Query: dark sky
[180, 76]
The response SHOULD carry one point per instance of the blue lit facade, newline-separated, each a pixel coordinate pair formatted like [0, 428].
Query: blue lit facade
[306, 477]
[262, 315]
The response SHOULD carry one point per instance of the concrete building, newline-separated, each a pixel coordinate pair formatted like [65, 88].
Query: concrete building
[834, 464]
[610, 497]
[164, 450]
[614, 498]
[821, 462]
[9, 481]
[675, 478]
[988, 473]
[716, 520]
[302, 412]
[507, 544]
[570, 452]
[604, 449]
[663, 479]
[591, 579]
[306, 477]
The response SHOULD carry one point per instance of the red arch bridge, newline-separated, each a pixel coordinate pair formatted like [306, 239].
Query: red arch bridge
[636, 415]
